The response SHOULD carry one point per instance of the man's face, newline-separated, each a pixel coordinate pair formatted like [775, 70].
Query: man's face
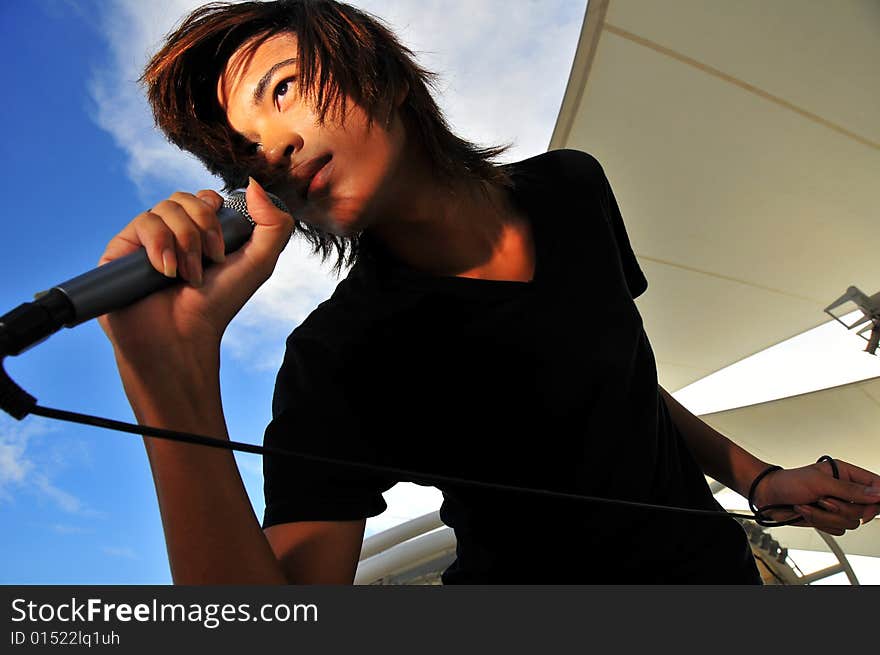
[258, 93]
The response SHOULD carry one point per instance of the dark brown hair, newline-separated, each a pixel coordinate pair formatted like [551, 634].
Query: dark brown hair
[344, 53]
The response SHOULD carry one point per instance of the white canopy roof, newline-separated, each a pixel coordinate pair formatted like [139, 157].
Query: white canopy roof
[742, 140]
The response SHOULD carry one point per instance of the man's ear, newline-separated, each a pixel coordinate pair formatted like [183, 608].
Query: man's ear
[401, 94]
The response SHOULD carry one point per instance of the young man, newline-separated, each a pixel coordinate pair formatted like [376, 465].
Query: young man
[461, 342]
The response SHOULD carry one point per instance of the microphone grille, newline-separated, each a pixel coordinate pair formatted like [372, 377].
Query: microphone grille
[236, 201]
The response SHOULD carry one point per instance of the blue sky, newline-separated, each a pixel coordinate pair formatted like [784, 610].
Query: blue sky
[80, 159]
[75, 503]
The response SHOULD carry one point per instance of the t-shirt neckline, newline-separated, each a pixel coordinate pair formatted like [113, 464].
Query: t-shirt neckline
[381, 255]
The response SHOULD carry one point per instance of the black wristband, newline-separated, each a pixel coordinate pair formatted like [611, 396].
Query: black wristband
[830, 460]
[754, 486]
[759, 512]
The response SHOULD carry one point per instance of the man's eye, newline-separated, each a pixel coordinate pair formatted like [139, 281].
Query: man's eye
[283, 88]
[252, 149]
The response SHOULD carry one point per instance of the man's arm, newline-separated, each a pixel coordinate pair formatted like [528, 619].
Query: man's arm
[716, 455]
[211, 532]
[167, 348]
[824, 502]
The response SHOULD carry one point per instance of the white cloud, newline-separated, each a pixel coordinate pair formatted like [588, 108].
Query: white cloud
[503, 65]
[63, 528]
[65, 500]
[256, 335]
[29, 465]
[134, 30]
[503, 71]
[15, 462]
[124, 552]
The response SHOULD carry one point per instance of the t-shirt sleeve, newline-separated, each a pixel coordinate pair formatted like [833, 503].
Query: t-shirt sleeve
[590, 168]
[312, 413]
[635, 278]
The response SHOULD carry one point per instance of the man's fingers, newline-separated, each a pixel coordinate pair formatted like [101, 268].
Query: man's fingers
[828, 521]
[852, 492]
[782, 515]
[187, 237]
[212, 197]
[857, 474]
[128, 241]
[849, 511]
[831, 531]
[202, 211]
[158, 240]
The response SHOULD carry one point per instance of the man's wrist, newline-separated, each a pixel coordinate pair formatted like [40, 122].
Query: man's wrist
[757, 493]
[751, 467]
[178, 360]
[178, 389]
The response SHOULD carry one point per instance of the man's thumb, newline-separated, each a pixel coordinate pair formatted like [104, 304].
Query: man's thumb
[261, 208]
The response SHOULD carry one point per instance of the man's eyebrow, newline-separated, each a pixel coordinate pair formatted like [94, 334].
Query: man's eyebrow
[260, 89]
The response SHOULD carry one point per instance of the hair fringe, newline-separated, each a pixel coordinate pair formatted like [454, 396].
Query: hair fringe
[344, 52]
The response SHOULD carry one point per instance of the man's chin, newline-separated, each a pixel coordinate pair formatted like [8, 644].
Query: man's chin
[343, 230]
[346, 227]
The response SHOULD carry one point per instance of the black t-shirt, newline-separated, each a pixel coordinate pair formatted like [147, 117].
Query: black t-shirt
[548, 384]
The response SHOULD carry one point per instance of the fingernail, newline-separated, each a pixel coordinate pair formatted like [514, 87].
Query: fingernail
[253, 183]
[212, 201]
[873, 491]
[194, 268]
[829, 505]
[169, 263]
[803, 509]
[215, 247]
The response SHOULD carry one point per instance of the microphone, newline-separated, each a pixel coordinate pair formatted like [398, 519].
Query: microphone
[112, 286]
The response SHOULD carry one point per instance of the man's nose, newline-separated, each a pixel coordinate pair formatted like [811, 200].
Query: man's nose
[280, 147]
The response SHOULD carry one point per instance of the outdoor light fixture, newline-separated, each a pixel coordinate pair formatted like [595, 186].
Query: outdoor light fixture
[870, 307]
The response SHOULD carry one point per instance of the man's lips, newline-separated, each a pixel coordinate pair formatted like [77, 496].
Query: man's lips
[304, 172]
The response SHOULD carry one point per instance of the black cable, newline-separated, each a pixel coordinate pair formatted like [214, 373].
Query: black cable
[759, 511]
[405, 475]
[760, 517]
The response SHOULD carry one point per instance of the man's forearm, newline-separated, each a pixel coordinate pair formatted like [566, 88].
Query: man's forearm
[717, 456]
[211, 532]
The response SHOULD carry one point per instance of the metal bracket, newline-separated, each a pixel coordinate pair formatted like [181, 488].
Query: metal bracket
[870, 308]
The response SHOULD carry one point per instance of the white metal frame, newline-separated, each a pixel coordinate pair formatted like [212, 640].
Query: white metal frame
[421, 548]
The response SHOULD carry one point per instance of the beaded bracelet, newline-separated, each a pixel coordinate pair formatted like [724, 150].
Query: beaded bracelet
[760, 518]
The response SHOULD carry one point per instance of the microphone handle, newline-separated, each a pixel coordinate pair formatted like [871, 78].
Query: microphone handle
[110, 287]
[106, 288]
[125, 280]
